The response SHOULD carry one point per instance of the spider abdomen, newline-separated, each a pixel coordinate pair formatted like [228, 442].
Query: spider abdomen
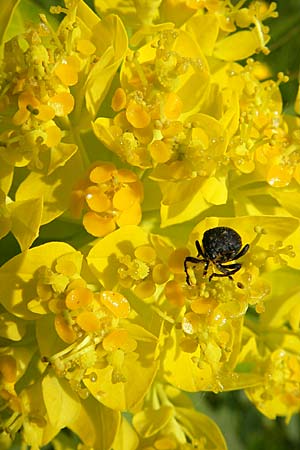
[221, 244]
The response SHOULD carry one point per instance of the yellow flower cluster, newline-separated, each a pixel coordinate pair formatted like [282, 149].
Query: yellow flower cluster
[113, 197]
[160, 177]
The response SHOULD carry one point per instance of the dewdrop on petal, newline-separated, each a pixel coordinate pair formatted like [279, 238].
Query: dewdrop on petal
[203, 305]
[191, 323]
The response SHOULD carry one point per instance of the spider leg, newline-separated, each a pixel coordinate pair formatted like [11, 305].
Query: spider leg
[200, 251]
[205, 267]
[193, 260]
[227, 271]
[242, 252]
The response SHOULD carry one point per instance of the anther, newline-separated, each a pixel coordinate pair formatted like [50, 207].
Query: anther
[32, 110]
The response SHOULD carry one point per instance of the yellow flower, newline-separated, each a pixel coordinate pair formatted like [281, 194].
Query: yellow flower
[187, 110]
[147, 265]
[154, 94]
[83, 333]
[279, 394]
[174, 425]
[53, 82]
[37, 93]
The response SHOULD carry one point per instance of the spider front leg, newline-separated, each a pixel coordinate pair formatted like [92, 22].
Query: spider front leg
[200, 251]
[193, 260]
[243, 251]
[227, 271]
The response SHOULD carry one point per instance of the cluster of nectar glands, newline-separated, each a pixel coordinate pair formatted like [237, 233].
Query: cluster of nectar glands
[251, 287]
[278, 394]
[152, 127]
[147, 130]
[152, 277]
[264, 140]
[212, 309]
[39, 68]
[88, 321]
[147, 264]
[112, 196]
[212, 305]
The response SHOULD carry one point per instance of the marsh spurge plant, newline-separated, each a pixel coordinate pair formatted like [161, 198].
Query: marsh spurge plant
[125, 135]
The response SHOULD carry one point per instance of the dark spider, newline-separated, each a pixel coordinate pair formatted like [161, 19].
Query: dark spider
[220, 245]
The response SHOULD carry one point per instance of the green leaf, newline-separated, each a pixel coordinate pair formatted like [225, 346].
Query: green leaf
[48, 340]
[126, 10]
[6, 175]
[33, 406]
[276, 228]
[5, 220]
[205, 29]
[60, 154]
